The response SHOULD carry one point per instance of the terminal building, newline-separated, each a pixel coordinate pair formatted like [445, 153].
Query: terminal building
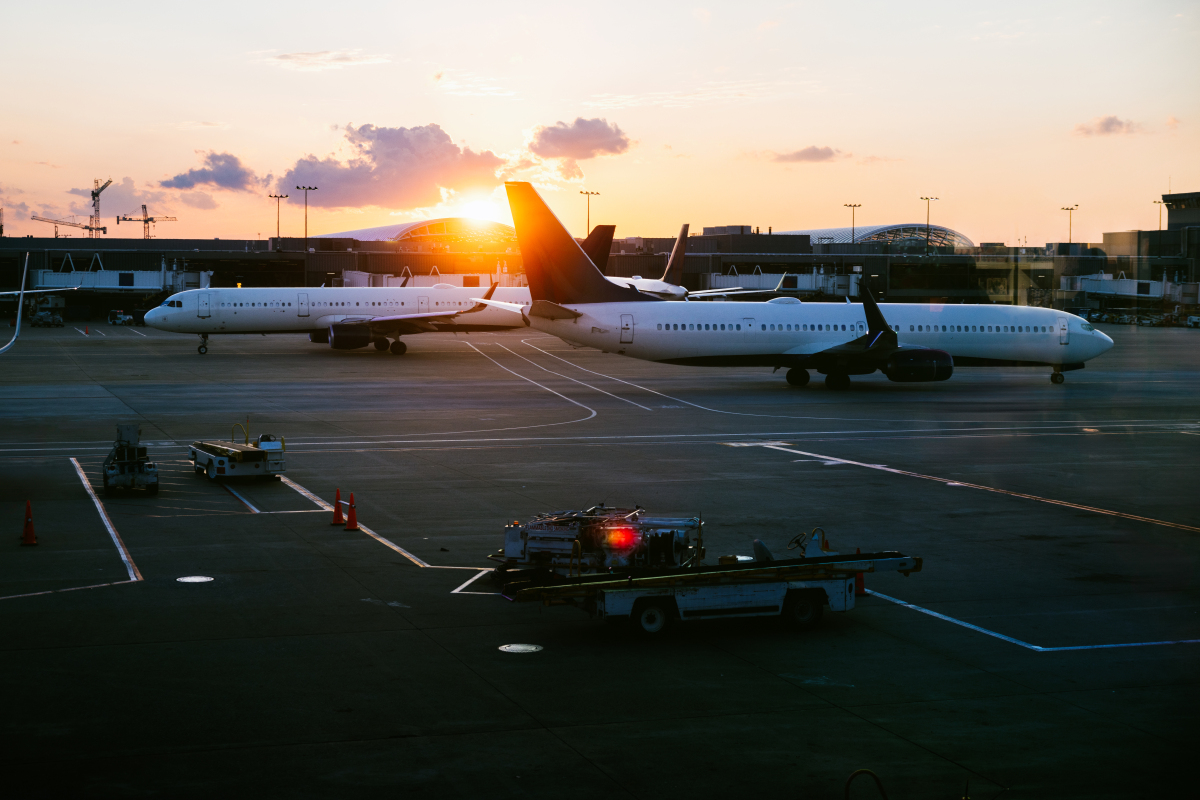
[907, 262]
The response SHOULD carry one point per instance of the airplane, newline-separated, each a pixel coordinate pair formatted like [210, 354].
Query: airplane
[349, 318]
[907, 342]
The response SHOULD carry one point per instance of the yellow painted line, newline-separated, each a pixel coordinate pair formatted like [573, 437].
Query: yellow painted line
[1022, 495]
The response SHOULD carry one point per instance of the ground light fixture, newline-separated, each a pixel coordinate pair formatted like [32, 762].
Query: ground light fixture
[194, 579]
[520, 648]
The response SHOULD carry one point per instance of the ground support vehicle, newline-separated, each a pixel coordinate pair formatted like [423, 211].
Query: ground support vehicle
[796, 589]
[261, 458]
[127, 465]
[598, 539]
[46, 319]
[118, 317]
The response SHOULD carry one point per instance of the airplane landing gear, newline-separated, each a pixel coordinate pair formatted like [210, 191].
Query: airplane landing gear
[1057, 378]
[381, 344]
[837, 381]
[398, 348]
[203, 348]
[797, 377]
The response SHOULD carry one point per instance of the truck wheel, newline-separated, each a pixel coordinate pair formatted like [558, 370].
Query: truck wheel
[802, 610]
[652, 617]
[212, 470]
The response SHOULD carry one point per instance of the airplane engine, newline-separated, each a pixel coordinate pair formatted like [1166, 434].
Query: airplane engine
[319, 337]
[349, 337]
[918, 366]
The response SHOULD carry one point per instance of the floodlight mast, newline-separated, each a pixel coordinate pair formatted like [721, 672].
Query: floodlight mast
[589, 211]
[1070, 220]
[927, 201]
[306, 190]
[1158, 203]
[852, 206]
[277, 198]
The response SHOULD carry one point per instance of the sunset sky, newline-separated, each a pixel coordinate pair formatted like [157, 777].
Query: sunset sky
[769, 114]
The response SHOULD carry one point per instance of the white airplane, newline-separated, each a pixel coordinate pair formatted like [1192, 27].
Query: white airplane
[346, 318]
[915, 342]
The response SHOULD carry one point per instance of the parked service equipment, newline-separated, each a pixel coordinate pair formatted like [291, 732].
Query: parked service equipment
[45, 319]
[119, 317]
[127, 465]
[261, 458]
[796, 589]
[598, 539]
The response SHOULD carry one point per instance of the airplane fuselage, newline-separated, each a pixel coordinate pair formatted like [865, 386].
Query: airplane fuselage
[781, 333]
[308, 310]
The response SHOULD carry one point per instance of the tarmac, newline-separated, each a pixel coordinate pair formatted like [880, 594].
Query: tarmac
[1049, 648]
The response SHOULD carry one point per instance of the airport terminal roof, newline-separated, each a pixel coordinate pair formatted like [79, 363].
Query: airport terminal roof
[436, 229]
[939, 236]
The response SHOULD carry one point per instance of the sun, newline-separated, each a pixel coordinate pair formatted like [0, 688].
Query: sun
[484, 210]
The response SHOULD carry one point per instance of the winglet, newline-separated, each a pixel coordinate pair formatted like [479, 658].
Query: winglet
[674, 272]
[481, 303]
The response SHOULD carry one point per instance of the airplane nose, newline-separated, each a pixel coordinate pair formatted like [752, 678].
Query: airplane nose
[1107, 342]
[153, 317]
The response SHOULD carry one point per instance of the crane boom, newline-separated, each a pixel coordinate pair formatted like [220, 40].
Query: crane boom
[67, 223]
[145, 219]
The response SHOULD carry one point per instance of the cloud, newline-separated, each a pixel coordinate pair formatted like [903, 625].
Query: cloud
[468, 84]
[568, 170]
[810, 154]
[223, 170]
[47, 164]
[7, 203]
[582, 139]
[1173, 123]
[201, 200]
[393, 168]
[1106, 126]
[120, 198]
[319, 60]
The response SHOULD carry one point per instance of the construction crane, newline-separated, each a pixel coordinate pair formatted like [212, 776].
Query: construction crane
[95, 226]
[92, 229]
[146, 221]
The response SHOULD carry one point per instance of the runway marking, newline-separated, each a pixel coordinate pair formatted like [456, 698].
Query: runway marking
[581, 383]
[139, 333]
[131, 568]
[72, 589]
[420, 562]
[81, 333]
[1018, 642]
[962, 484]
[535, 383]
[460, 589]
[245, 502]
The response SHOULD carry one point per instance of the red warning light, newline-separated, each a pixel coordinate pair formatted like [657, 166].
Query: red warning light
[622, 538]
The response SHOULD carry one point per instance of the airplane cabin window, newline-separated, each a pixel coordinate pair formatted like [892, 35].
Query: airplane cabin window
[660, 326]
[739, 327]
[911, 328]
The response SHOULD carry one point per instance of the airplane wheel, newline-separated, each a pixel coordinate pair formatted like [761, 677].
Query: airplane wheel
[797, 377]
[381, 344]
[399, 348]
[202, 349]
[837, 381]
[1057, 378]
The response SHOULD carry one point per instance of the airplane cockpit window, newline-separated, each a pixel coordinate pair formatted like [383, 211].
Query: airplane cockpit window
[1087, 327]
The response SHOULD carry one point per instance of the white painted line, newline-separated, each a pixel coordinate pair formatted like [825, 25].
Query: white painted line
[459, 590]
[139, 333]
[321, 503]
[581, 383]
[388, 543]
[961, 484]
[535, 383]
[81, 333]
[102, 333]
[245, 502]
[305, 511]
[72, 589]
[130, 567]
[1018, 642]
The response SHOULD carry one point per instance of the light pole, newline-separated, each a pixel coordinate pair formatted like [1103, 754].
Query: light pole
[306, 190]
[1160, 204]
[927, 201]
[589, 211]
[852, 206]
[277, 198]
[1070, 220]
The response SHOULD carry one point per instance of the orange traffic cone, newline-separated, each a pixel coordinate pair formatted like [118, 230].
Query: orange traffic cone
[337, 509]
[27, 535]
[352, 517]
[85, 327]
[860, 584]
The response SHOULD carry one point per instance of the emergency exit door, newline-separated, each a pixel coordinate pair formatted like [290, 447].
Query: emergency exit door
[423, 305]
[302, 304]
[201, 304]
[626, 328]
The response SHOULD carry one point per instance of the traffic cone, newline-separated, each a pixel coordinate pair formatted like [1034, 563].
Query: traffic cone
[85, 327]
[337, 509]
[27, 535]
[860, 583]
[352, 517]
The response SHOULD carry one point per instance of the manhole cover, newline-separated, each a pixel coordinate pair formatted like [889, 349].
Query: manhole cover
[520, 648]
[194, 579]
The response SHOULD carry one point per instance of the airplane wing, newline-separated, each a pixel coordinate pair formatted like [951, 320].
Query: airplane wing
[20, 305]
[40, 291]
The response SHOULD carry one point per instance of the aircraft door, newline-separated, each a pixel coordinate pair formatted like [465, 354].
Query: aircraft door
[626, 328]
[1064, 330]
[748, 325]
[201, 304]
[423, 305]
[302, 304]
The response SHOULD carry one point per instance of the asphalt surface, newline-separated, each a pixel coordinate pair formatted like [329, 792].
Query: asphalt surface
[321, 663]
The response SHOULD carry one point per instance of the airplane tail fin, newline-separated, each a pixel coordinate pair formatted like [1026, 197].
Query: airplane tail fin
[598, 245]
[557, 269]
[674, 271]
